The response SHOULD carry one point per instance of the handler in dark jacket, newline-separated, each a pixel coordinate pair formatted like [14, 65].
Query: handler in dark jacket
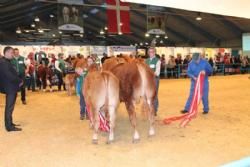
[10, 84]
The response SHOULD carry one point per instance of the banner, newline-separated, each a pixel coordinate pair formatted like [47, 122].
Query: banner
[98, 50]
[155, 21]
[70, 17]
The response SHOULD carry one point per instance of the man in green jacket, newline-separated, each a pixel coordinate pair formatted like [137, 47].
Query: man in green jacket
[155, 64]
[19, 64]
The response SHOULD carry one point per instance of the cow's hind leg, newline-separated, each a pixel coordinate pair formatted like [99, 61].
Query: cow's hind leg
[149, 103]
[111, 124]
[132, 117]
[96, 122]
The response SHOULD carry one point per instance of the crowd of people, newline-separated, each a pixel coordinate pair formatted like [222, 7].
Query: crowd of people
[226, 62]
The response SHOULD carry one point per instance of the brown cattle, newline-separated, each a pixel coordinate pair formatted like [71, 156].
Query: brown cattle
[101, 93]
[69, 81]
[136, 81]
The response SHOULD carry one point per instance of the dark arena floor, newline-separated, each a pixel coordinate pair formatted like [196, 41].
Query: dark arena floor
[54, 136]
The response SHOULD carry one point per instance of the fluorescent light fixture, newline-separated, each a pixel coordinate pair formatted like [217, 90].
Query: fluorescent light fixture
[60, 32]
[166, 37]
[33, 25]
[147, 35]
[27, 31]
[51, 16]
[157, 36]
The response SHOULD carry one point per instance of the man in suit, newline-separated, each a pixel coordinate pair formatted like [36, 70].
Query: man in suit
[19, 64]
[10, 84]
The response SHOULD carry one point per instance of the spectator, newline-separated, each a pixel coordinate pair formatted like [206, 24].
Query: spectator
[171, 66]
[19, 64]
[60, 71]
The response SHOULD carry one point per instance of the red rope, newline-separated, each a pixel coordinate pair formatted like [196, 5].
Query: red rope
[104, 123]
[186, 118]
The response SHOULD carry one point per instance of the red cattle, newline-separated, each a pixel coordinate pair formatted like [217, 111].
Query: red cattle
[101, 93]
[136, 81]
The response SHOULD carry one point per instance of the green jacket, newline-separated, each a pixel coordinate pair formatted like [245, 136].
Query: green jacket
[152, 63]
[19, 65]
[62, 65]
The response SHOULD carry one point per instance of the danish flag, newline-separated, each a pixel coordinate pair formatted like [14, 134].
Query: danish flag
[118, 17]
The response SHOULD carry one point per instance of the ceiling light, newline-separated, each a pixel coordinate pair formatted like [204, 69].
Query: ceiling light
[18, 30]
[120, 33]
[121, 24]
[166, 37]
[53, 35]
[60, 32]
[102, 32]
[141, 44]
[147, 35]
[33, 25]
[37, 19]
[157, 36]
[51, 16]
[81, 35]
[161, 41]
[198, 18]
[106, 28]
[27, 31]
[40, 30]
[146, 43]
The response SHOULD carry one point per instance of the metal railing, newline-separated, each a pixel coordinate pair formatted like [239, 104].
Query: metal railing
[180, 70]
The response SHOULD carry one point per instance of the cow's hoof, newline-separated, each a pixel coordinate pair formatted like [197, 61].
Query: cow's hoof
[94, 141]
[134, 141]
[110, 142]
[150, 136]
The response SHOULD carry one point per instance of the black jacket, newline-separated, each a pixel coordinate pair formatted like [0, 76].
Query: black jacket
[9, 80]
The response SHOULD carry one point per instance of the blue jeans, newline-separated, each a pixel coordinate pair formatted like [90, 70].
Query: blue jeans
[204, 97]
[82, 105]
[31, 82]
[156, 102]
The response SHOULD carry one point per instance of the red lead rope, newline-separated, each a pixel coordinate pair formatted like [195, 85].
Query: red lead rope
[186, 118]
[104, 123]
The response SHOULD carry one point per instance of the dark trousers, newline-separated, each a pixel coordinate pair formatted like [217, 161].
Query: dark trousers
[60, 81]
[31, 83]
[22, 89]
[156, 102]
[9, 108]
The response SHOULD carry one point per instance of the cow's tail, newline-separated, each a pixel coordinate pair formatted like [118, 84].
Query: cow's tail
[106, 82]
